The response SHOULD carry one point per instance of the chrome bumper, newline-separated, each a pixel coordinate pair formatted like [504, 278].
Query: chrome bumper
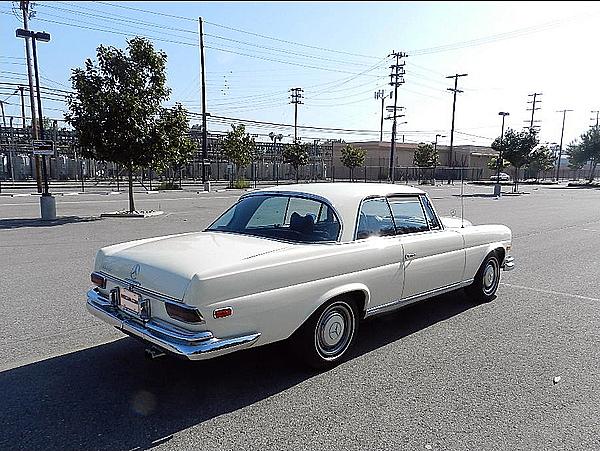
[509, 263]
[190, 345]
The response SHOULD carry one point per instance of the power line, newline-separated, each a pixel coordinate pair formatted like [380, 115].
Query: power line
[497, 37]
[285, 62]
[239, 30]
[114, 18]
[147, 11]
[290, 42]
[282, 50]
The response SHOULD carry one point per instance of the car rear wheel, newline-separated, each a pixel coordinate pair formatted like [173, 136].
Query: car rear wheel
[486, 281]
[325, 338]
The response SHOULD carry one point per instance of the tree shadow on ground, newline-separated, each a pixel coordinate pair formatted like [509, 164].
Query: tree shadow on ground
[110, 397]
[17, 223]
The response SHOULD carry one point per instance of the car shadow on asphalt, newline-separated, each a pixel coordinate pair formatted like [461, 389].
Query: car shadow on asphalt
[17, 223]
[111, 397]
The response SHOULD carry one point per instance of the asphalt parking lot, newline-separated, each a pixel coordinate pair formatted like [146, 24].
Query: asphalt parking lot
[444, 374]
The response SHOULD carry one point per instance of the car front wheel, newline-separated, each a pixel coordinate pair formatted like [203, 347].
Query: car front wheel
[325, 338]
[486, 280]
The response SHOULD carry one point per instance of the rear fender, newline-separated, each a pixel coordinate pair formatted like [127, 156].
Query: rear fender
[338, 291]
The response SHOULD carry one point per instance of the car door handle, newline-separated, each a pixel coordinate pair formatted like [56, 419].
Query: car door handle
[410, 255]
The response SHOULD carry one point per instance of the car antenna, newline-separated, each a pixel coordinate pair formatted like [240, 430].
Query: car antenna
[462, 199]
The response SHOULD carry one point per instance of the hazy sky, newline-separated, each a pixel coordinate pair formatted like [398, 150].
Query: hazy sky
[336, 51]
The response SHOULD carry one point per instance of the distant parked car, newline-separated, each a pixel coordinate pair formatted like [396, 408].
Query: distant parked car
[503, 177]
[305, 262]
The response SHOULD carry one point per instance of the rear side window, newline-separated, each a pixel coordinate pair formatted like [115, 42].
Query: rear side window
[281, 217]
[375, 219]
[409, 216]
[434, 223]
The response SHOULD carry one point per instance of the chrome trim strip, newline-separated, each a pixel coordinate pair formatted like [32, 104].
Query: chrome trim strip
[418, 297]
[136, 288]
[509, 263]
[190, 345]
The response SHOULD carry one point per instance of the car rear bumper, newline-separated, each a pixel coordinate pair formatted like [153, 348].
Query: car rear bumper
[509, 263]
[190, 345]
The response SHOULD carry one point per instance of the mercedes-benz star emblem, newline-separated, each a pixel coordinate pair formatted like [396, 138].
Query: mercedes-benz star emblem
[135, 271]
[334, 331]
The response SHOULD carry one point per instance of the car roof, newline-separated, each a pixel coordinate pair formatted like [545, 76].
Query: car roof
[344, 191]
[344, 197]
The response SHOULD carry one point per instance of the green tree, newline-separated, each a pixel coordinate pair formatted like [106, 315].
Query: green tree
[352, 157]
[541, 159]
[426, 156]
[295, 154]
[517, 148]
[238, 146]
[178, 149]
[116, 107]
[584, 150]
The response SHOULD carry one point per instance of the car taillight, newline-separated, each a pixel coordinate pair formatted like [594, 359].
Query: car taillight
[183, 313]
[98, 279]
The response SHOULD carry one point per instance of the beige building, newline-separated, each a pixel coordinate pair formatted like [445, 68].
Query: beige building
[378, 156]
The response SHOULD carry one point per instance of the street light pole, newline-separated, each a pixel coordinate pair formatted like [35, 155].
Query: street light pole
[497, 187]
[24, 5]
[436, 138]
[47, 201]
[40, 115]
[435, 153]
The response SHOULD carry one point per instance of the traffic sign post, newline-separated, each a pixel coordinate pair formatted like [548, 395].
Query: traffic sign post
[43, 147]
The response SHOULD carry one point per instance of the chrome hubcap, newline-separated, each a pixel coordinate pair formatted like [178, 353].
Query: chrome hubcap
[334, 330]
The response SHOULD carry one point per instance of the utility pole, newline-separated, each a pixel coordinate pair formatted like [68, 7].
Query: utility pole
[296, 99]
[24, 5]
[396, 79]
[381, 95]
[455, 90]
[22, 106]
[564, 112]
[3, 117]
[597, 114]
[203, 78]
[533, 108]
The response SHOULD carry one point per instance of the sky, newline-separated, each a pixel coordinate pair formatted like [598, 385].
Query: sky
[338, 53]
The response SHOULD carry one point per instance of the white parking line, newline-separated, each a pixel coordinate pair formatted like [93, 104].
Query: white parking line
[540, 290]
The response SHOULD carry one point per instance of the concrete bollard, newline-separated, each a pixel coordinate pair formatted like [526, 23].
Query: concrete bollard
[48, 208]
[207, 186]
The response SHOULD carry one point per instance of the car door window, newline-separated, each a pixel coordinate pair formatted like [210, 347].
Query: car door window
[409, 216]
[374, 219]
